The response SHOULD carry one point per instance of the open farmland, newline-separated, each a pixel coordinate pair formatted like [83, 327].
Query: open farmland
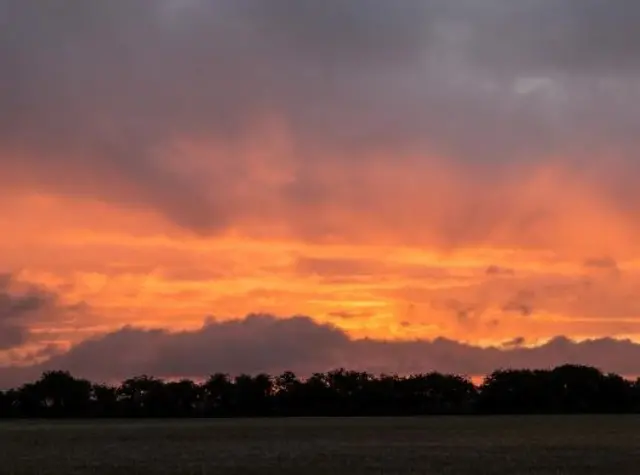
[437, 445]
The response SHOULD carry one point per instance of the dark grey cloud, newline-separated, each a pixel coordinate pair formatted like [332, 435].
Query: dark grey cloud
[250, 345]
[605, 263]
[11, 335]
[515, 342]
[495, 270]
[22, 305]
[521, 302]
[15, 311]
[340, 267]
[350, 269]
[522, 308]
[349, 34]
[351, 315]
[558, 36]
[94, 95]
[262, 343]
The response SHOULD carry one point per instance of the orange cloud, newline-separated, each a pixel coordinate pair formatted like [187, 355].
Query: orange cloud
[135, 267]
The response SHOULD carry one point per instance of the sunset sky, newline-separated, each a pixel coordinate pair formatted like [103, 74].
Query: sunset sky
[191, 186]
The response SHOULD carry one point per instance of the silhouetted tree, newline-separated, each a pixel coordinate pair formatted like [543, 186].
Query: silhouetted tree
[7, 403]
[444, 394]
[218, 396]
[142, 396]
[183, 399]
[515, 391]
[565, 389]
[616, 395]
[635, 395]
[104, 401]
[55, 394]
[288, 395]
[317, 395]
[577, 388]
[252, 395]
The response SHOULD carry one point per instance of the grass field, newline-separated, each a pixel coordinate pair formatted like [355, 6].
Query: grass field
[474, 445]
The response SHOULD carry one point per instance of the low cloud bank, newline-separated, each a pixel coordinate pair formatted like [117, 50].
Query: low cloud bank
[265, 343]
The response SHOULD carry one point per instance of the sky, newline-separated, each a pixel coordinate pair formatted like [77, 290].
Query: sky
[192, 186]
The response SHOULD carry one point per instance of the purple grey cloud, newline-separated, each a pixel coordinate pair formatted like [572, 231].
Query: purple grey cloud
[94, 95]
[263, 343]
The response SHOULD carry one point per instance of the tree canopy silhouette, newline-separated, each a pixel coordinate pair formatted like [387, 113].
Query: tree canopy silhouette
[565, 389]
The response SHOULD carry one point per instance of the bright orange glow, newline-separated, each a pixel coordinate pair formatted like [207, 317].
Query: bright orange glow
[440, 256]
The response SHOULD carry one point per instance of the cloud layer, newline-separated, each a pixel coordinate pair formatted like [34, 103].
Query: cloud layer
[262, 343]
[410, 170]
[202, 110]
[21, 305]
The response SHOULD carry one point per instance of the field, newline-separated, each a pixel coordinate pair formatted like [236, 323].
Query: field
[473, 445]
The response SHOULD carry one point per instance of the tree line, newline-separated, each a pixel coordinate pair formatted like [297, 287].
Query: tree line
[564, 389]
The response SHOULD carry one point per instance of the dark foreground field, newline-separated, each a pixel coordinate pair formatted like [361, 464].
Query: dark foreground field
[473, 445]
